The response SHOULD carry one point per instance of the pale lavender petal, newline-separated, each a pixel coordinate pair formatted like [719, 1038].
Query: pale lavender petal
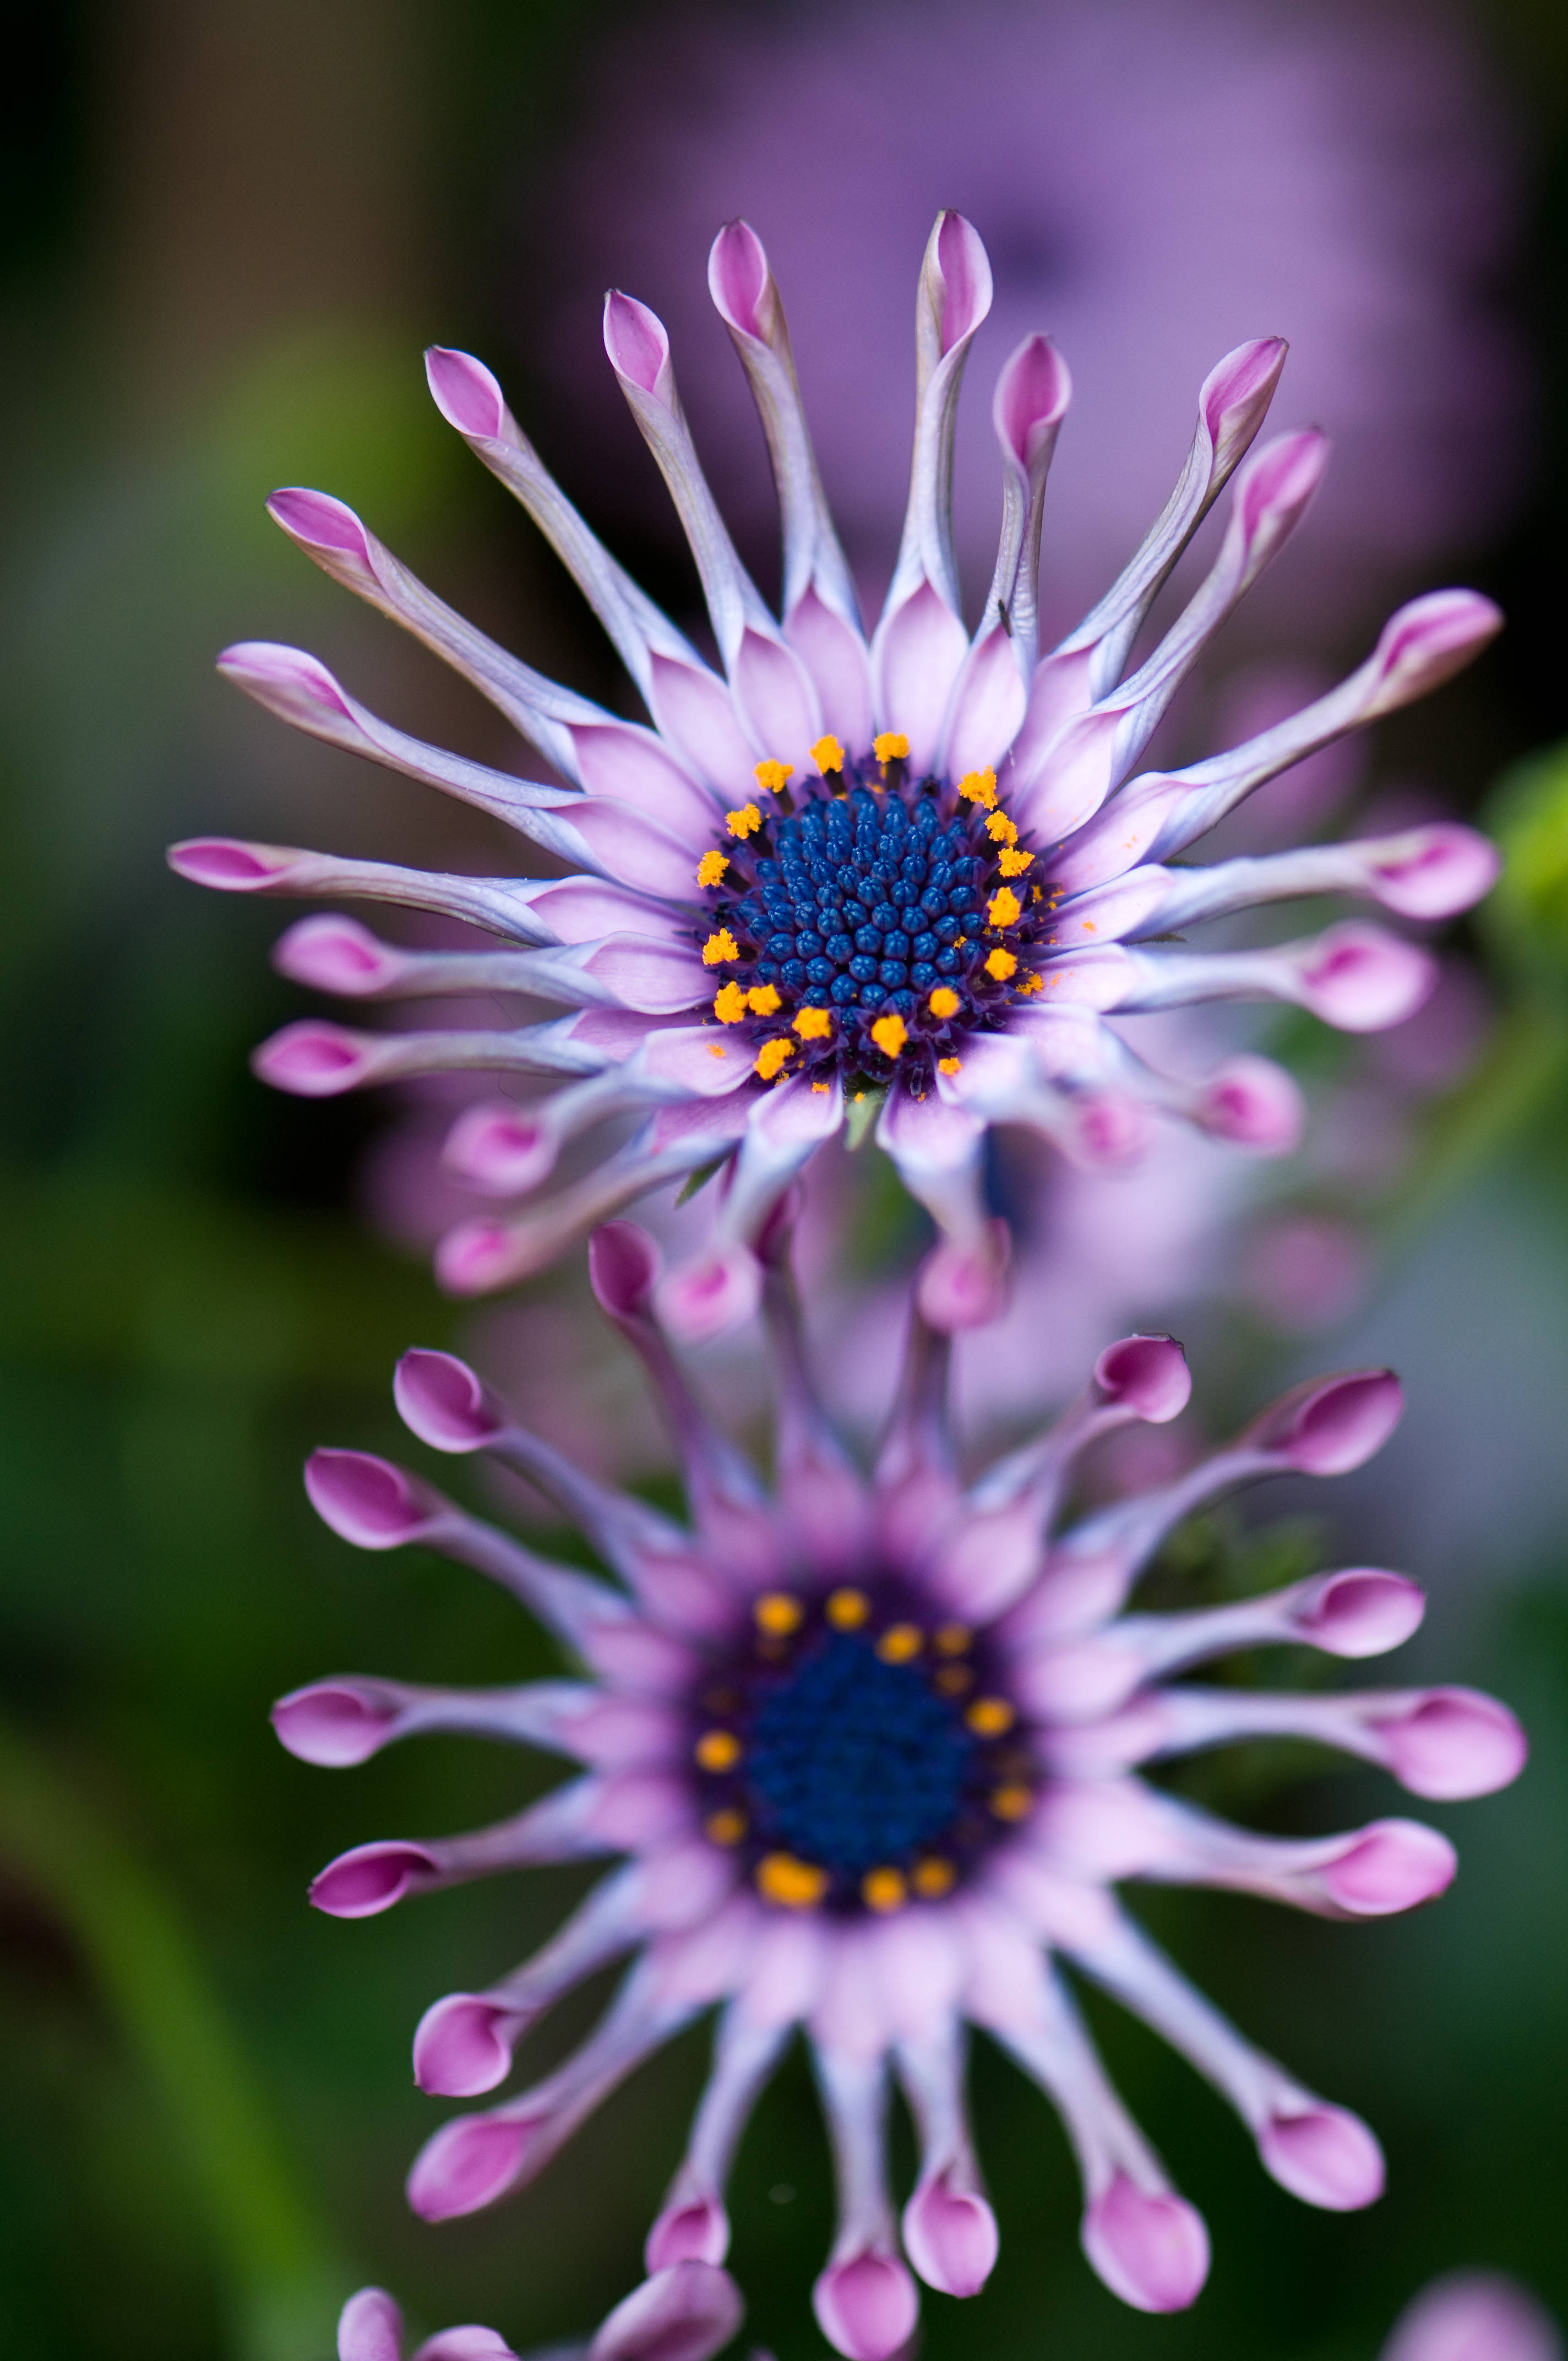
[1473, 2316]
[865, 2300]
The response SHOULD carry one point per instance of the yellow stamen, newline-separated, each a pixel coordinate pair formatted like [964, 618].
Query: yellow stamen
[1001, 965]
[978, 788]
[729, 1004]
[899, 1642]
[1013, 864]
[763, 1000]
[744, 822]
[944, 1001]
[827, 754]
[793, 1884]
[711, 868]
[989, 1717]
[770, 776]
[1013, 1802]
[772, 1056]
[848, 1609]
[949, 1065]
[718, 1749]
[934, 1878]
[1001, 829]
[719, 947]
[813, 1024]
[726, 1827]
[954, 1639]
[1004, 908]
[778, 1613]
[891, 746]
[890, 1034]
[883, 1889]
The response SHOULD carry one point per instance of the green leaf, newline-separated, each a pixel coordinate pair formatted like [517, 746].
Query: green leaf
[700, 1177]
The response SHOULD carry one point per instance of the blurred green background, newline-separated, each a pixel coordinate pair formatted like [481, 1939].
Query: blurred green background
[227, 231]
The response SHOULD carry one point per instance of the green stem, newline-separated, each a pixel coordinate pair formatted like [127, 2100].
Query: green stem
[282, 2282]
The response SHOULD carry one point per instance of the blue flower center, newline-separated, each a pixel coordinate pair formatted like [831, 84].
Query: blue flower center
[856, 1753]
[867, 904]
[853, 1761]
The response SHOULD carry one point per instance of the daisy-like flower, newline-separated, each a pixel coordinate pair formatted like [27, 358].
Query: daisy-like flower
[906, 878]
[874, 1751]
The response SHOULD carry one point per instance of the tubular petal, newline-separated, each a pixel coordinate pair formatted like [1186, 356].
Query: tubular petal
[685, 2313]
[1151, 2249]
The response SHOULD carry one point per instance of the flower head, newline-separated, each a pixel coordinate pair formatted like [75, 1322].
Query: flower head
[872, 1751]
[772, 926]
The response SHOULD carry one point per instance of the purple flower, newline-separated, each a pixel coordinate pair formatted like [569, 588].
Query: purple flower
[685, 2312]
[906, 879]
[872, 1751]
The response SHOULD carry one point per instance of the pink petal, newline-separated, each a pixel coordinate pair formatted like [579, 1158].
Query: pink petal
[866, 2308]
[1363, 1612]
[1326, 2157]
[440, 1399]
[1473, 2316]
[501, 1148]
[1254, 1103]
[314, 1060]
[1457, 1744]
[333, 1724]
[950, 2237]
[1393, 1865]
[370, 2328]
[465, 393]
[228, 864]
[335, 954]
[711, 1294]
[459, 2048]
[367, 1500]
[1363, 979]
[1151, 2250]
[965, 1285]
[1149, 1374]
[693, 2230]
[684, 2313]
[1442, 869]
[370, 1879]
[1333, 1424]
[468, 2164]
[635, 340]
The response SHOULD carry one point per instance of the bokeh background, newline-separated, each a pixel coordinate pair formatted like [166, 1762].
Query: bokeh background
[226, 232]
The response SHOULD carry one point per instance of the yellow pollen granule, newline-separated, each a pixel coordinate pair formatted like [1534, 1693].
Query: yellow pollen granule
[711, 868]
[814, 1025]
[953, 1639]
[763, 1000]
[718, 1749]
[978, 788]
[729, 1004]
[847, 1610]
[717, 1050]
[770, 776]
[772, 1056]
[1001, 965]
[719, 947]
[793, 1884]
[899, 1642]
[933, 1878]
[1004, 908]
[778, 1613]
[944, 1001]
[1013, 864]
[949, 1065]
[1014, 1802]
[726, 1827]
[827, 754]
[989, 1717]
[744, 822]
[891, 746]
[883, 1889]
[1031, 983]
[820, 1089]
[890, 1034]
[952, 1679]
[1001, 829]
